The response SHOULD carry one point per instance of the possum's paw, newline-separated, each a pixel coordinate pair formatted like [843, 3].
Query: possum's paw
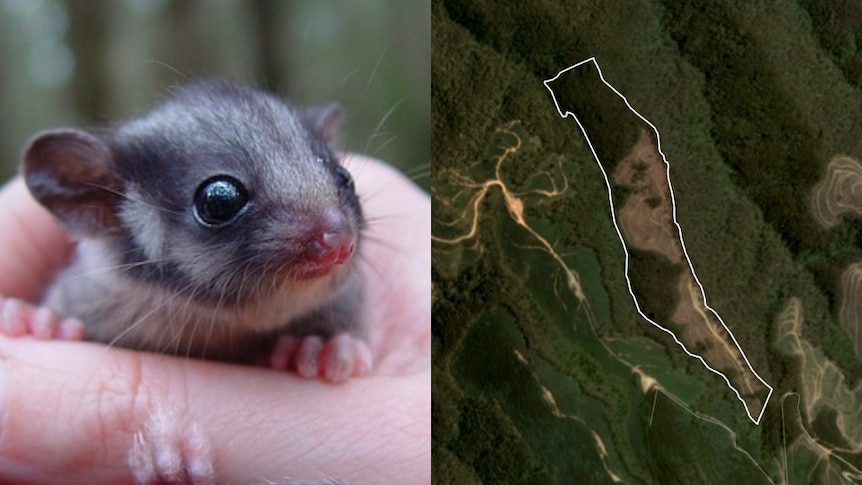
[335, 360]
[170, 450]
[19, 318]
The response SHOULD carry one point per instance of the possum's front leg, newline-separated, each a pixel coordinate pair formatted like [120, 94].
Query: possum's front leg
[331, 343]
[335, 359]
[19, 318]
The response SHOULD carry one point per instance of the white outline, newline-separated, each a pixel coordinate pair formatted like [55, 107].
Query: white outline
[679, 228]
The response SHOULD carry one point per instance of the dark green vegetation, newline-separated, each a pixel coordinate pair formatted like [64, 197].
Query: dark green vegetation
[683, 449]
[611, 126]
[751, 102]
[654, 280]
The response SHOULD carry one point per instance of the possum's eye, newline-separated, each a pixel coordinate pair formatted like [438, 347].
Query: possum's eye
[345, 180]
[219, 200]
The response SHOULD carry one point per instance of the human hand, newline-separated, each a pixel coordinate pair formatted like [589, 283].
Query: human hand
[68, 410]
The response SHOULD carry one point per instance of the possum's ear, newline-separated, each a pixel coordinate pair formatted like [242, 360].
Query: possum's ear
[324, 120]
[71, 173]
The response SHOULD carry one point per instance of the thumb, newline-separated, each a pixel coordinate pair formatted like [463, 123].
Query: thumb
[69, 411]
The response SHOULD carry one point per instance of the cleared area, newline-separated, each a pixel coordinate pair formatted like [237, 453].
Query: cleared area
[646, 220]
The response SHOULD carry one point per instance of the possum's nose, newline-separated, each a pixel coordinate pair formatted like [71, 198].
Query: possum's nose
[333, 240]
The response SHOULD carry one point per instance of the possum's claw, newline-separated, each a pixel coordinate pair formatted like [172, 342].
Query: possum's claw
[19, 318]
[337, 359]
[170, 450]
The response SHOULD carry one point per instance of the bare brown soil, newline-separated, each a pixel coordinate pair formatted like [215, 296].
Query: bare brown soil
[839, 192]
[704, 335]
[646, 218]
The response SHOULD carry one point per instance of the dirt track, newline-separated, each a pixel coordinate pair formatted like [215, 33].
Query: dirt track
[851, 304]
[839, 192]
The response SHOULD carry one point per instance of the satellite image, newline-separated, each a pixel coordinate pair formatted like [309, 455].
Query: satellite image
[647, 242]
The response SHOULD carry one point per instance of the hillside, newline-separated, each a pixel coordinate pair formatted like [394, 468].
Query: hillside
[544, 372]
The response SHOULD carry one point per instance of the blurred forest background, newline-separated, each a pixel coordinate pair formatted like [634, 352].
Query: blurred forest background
[95, 62]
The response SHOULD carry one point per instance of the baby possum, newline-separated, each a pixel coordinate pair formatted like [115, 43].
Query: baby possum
[218, 225]
[209, 227]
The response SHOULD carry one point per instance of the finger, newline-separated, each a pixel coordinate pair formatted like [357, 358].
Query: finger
[33, 243]
[397, 253]
[69, 412]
